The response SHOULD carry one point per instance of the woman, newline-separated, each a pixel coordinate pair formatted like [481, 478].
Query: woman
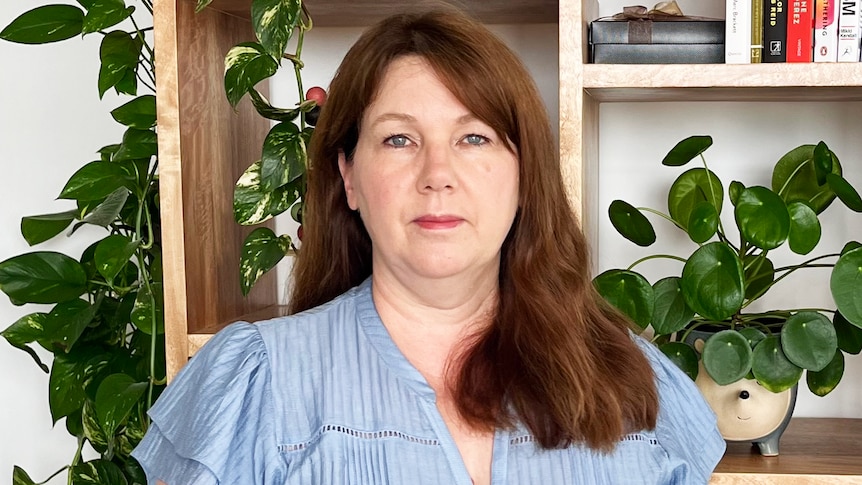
[444, 328]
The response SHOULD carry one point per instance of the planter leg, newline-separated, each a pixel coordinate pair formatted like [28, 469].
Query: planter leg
[769, 447]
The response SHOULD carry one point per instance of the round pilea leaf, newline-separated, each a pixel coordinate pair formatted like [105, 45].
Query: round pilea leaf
[804, 228]
[753, 335]
[712, 281]
[683, 355]
[845, 283]
[809, 340]
[771, 367]
[727, 357]
[703, 222]
[762, 217]
[670, 312]
[629, 292]
[631, 223]
[849, 335]
[824, 381]
[759, 274]
[686, 150]
[691, 188]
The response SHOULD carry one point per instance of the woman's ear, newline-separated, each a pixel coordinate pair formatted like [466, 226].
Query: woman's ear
[346, 169]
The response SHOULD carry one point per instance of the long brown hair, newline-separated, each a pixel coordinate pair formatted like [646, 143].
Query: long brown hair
[555, 358]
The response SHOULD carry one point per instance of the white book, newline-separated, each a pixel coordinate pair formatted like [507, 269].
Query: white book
[848, 30]
[825, 31]
[737, 38]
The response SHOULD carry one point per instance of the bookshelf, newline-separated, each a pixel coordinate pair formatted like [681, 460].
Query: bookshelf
[204, 146]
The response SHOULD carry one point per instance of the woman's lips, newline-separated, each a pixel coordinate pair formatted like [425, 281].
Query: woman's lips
[438, 222]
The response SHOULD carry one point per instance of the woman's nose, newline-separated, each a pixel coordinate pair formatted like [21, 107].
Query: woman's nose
[437, 168]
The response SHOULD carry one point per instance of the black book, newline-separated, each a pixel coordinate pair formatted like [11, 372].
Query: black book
[774, 30]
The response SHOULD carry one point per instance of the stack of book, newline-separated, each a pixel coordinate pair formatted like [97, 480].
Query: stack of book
[792, 31]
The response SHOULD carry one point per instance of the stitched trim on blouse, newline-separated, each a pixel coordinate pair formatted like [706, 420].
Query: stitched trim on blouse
[520, 440]
[365, 435]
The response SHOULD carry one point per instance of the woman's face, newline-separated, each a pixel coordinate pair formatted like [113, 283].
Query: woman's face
[436, 188]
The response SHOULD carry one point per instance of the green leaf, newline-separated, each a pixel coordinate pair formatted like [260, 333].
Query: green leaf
[284, 157]
[274, 21]
[753, 335]
[762, 217]
[691, 188]
[119, 54]
[261, 104]
[202, 4]
[66, 384]
[670, 312]
[629, 292]
[139, 113]
[846, 285]
[113, 253]
[261, 251]
[128, 84]
[823, 159]
[253, 205]
[824, 381]
[845, 192]
[759, 274]
[808, 340]
[98, 472]
[95, 181]
[102, 14]
[804, 228]
[631, 223]
[49, 23]
[26, 329]
[734, 191]
[42, 277]
[106, 212]
[686, 150]
[65, 324]
[703, 222]
[794, 178]
[850, 246]
[727, 357]
[246, 65]
[115, 398]
[771, 367]
[683, 355]
[849, 335]
[137, 144]
[38, 229]
[92, 431]
[149, 305]
[712, 281]
[20, 477]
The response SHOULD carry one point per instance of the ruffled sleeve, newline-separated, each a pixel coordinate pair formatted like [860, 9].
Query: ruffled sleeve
[686, 427]
[214, 423]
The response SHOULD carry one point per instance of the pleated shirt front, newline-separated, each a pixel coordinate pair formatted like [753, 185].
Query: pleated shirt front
[325, 397]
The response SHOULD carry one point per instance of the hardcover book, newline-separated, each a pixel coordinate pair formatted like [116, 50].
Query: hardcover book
[799, 31]
[737, 42]
[756, 31]
[668, 41]
[825, 31]
[849, 17]
[775, 31]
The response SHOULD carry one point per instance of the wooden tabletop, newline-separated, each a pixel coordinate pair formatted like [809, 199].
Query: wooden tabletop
[812, 451]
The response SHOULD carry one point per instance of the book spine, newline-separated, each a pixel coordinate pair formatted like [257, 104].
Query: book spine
[848, 30]
[775, 31]
[825, 31]
[799, 31]
[737, 39]
[756, 31]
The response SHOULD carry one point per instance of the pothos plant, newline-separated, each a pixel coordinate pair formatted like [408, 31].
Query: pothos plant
[732, 267]
[275, 183]
[103, 323]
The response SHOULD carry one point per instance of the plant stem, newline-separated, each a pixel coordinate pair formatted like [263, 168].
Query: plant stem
[661, 214]
[789, 270]
[77, 458]
[297, 69]
[61, 470]
[711, 192]
[655, 256]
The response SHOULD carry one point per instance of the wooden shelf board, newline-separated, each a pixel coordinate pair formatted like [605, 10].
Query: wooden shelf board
[814, 448]
[351, 13]
[722, 82]
[197, 339]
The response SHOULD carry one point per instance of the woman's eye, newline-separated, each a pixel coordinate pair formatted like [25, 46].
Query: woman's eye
[397, 141]
[474, 139]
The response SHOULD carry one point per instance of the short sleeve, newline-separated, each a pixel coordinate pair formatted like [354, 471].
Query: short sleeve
[686, 428]
[214, 423]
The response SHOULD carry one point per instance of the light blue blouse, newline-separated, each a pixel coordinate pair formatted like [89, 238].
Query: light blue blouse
[326, 397]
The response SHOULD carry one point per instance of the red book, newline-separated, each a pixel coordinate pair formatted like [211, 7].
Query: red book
[800, 28]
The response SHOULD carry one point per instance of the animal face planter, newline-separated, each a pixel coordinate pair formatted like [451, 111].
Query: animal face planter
[748, 412]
